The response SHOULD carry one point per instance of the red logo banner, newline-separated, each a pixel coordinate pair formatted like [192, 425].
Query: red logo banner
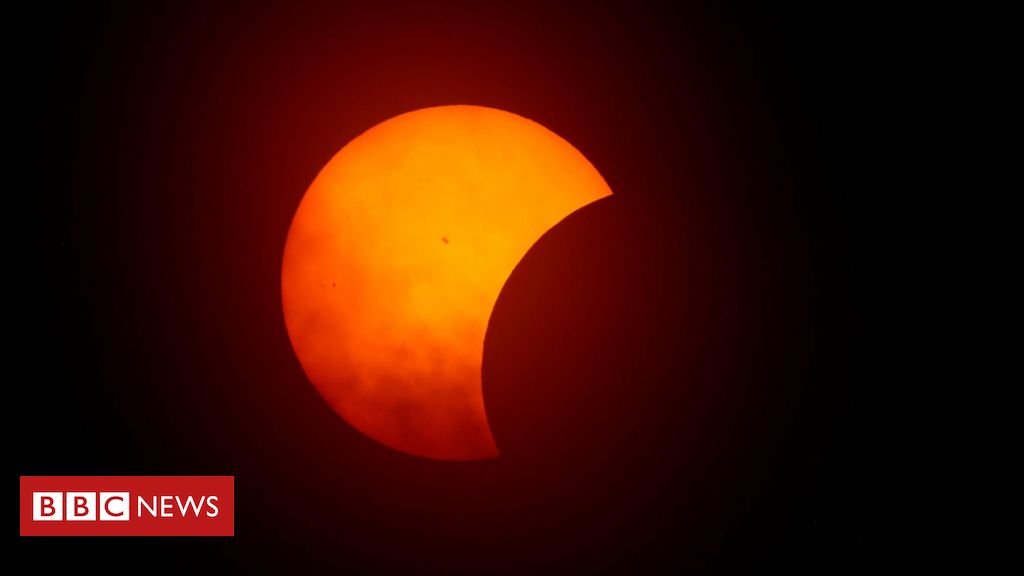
[127, 505]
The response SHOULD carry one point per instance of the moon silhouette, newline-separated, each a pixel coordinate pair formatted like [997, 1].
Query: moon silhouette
[397, 254]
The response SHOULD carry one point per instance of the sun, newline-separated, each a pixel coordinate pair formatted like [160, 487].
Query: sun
[397, 254]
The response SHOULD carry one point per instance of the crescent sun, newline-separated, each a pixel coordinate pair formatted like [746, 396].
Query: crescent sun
[395, 259]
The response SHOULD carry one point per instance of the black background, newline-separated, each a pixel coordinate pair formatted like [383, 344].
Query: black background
[674, 375]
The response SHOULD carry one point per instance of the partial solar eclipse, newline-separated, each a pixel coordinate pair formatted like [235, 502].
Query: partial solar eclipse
[395, 259]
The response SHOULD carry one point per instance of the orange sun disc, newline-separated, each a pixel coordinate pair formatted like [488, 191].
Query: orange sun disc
[395, 259]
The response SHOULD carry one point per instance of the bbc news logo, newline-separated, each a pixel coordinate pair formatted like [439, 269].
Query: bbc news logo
[114, 507]
[127, 505]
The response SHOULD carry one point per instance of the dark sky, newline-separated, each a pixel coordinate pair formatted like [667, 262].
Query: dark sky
[674, 374]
